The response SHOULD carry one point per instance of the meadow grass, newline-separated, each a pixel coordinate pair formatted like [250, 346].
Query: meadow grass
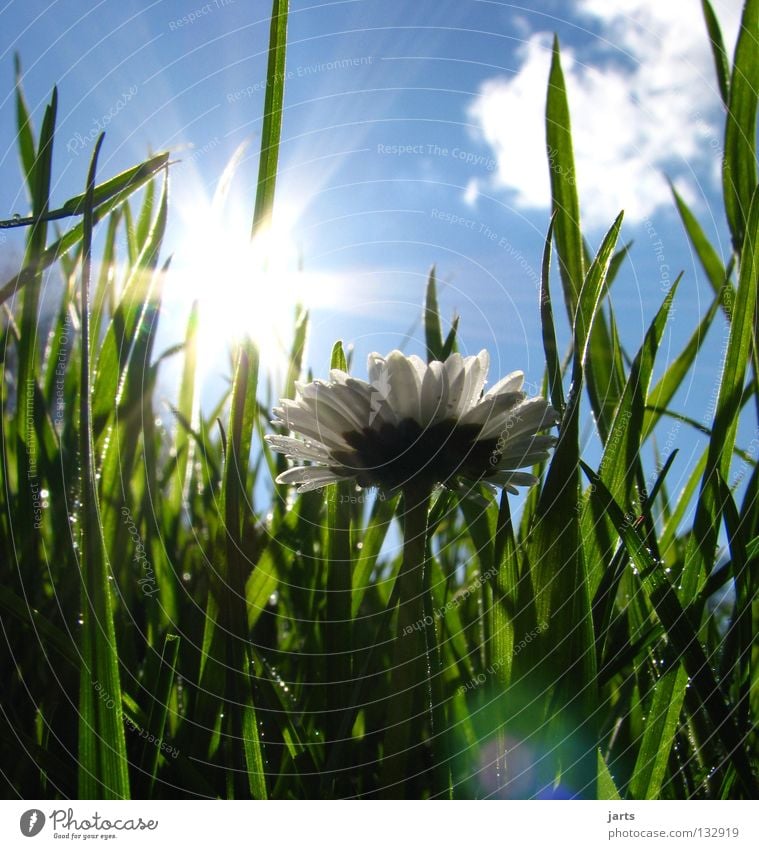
[166, 635]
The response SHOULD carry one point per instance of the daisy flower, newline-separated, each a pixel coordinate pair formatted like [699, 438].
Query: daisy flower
[414, 425]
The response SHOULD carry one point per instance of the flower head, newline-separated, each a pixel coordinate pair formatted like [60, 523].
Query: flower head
[414, 424]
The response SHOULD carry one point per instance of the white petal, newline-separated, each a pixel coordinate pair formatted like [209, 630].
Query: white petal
[511, 479]
[476, 369]
[375, 366]
[405, 386]
[301, 420]
[434, 394]
[529, 416]
[511, 383]
[491, 406]
[309, 477]
[297, 448]
[454, 372]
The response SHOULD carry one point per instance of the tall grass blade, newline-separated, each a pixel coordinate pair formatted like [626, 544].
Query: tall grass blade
[103, 768]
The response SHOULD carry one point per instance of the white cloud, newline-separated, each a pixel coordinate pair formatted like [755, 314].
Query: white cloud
[643, 103]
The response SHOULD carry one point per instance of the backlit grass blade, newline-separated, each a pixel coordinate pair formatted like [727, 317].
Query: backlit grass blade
[243, 743]
[29, 341]
[739, 161]
[272, 118]
[338, 636]
[103, 769]
[739, 637]
[550, 348]
[621, 467]
[159, 705]
[433, 331]
[186, 410]
[374, 536]
[25, 137]
[725, 427]
[565, 203]
[123, 329]
[716, 272]
[73, 236]
[668, 384]
[721, 64]
[559, 576]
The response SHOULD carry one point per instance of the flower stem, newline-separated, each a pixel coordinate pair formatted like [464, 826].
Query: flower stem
[410, 675]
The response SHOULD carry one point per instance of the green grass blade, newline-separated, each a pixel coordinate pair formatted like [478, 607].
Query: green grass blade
[721, 64]
[565, 203]
[25, 138]
[559, 575]
[739, 162]
[71, 238]
[668, 384]
[712, 265]
[725, 427]
[186, 411]
[433, 331]
[374, 536]
[103, 768]
[159, 705]
[338, 631]
[553, 363]
[681, 633]
[243, 745]
[272, 119]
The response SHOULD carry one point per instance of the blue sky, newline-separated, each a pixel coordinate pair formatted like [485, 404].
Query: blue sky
[413, 134]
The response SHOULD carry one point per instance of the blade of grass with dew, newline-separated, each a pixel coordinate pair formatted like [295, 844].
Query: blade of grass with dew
[681, 633]
[73, 236]
[739, 631]
[620, 466]
[708, 510]
[120, 377]
[338, 637]
[26, 447]
[186, 410]
[241, 715]
[103, 768]
[159, 706]
[739, 162]
[559, 572]
[124, 327]
[372, 540]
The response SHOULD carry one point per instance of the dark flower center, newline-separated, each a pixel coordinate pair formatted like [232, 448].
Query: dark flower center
[394, 456]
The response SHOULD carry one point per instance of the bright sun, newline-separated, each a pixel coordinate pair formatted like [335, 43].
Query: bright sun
[243, 287]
